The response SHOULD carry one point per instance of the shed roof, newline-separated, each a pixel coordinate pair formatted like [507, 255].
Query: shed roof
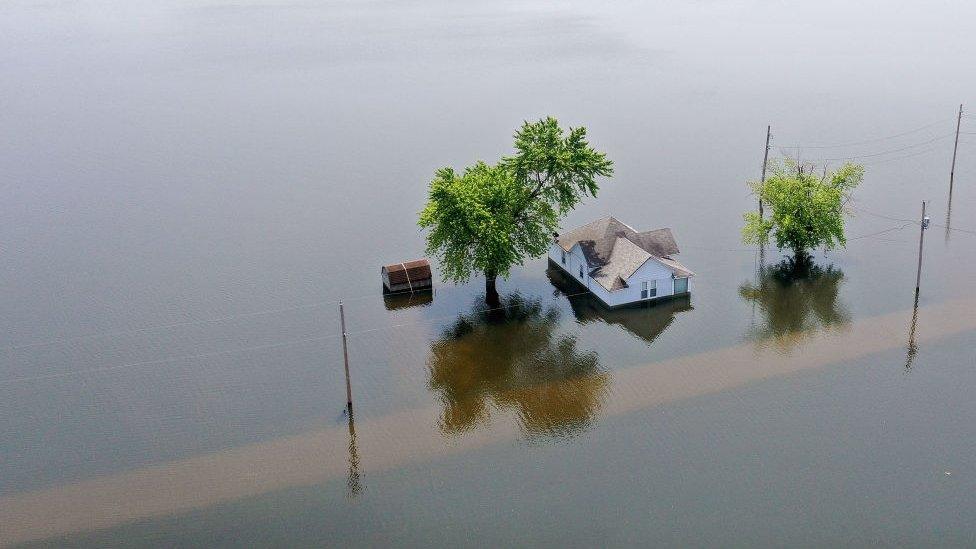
[412, 271]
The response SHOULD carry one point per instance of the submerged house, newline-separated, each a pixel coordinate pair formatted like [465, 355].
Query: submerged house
[619, 265]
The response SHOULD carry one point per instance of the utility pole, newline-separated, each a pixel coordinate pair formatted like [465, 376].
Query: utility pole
[766, 159]
[921, 240]
[952, 171]
[345, 357]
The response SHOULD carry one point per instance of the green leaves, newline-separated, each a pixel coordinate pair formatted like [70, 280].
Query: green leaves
[806, 209]
[561, 169]
[491, 218]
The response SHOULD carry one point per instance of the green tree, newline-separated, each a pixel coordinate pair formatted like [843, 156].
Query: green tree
[491, 218]
[807, 209]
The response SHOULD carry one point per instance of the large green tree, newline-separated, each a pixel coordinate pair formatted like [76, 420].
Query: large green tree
[806, 207]
[490, 218]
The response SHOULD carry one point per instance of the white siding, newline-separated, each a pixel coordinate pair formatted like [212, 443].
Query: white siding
[575, 258]
[650, 270]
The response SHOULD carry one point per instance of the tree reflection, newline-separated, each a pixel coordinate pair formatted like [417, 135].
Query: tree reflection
[512, 358]
[796, 298]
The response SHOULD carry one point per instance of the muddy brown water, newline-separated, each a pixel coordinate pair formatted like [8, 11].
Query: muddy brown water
[189, 187]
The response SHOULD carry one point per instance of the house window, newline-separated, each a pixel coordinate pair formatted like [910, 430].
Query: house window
[681, 285]
[581, 271]
[564, 257]
[648, 289]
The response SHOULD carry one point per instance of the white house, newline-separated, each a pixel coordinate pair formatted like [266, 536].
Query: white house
[619, 265]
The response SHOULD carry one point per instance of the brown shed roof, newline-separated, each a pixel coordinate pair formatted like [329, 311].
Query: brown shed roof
[408, 271]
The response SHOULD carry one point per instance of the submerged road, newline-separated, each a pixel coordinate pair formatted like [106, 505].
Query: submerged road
[412, 435]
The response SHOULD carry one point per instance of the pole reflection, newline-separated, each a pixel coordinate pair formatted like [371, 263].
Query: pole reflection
[948, 221]
[514, 359]
[912, 346]
[355, 479]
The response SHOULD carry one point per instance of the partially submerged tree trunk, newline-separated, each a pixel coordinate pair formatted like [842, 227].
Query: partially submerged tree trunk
[491, 292]
[801, 263]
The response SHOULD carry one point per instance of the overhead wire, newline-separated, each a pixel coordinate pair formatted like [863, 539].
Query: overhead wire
[100, 335]
[882, 153]
[455, 315]
[872, 140]
[143, 363]
[373, 296]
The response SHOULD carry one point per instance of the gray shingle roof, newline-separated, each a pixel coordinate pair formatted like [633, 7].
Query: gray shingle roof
[625, 258]
[614, 250]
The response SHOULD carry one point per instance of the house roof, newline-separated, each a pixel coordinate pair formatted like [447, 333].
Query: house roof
[625, 258]
[614, 250]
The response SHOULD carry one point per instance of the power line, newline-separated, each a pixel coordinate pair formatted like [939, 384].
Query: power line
[882, 153]
[163, 360]
[882, 216]
[100, 335]
[911, 221]
[886, 160]
[164, 326]
[967, 231]
[873, 140]
[445, 317]
[888, 230]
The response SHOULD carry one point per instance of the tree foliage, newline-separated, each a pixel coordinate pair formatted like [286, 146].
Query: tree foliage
[806, 208]
[491, 218]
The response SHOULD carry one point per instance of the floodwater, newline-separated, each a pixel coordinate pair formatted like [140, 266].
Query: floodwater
[188, 188]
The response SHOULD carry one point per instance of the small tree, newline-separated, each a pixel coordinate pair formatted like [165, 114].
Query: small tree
[491, 218]
[807, 210]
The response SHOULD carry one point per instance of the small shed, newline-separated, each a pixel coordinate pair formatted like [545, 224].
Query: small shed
[408, 276]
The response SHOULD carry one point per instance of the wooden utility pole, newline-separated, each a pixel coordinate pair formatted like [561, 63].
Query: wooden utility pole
[952, 172]
[345, 356]
[766, 160]
[921, 240]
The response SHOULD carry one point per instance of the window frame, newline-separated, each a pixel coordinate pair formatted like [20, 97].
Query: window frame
[675, 286]
[648, 289]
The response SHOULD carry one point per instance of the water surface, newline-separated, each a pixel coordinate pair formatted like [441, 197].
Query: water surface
[189, 187]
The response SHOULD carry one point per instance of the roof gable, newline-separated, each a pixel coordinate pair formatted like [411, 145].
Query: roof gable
[598, 238]
[614, 250]
[625, 258]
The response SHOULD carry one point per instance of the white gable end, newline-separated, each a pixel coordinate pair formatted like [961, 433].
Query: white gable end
[624, 270]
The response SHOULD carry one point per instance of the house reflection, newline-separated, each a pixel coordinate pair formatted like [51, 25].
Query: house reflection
[795, 301]
[646, 321]
[514, 359]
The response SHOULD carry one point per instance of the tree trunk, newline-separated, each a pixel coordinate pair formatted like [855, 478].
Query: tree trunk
[491, 292]
[801, 262]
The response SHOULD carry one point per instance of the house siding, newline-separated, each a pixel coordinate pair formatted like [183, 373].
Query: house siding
[650, 270]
